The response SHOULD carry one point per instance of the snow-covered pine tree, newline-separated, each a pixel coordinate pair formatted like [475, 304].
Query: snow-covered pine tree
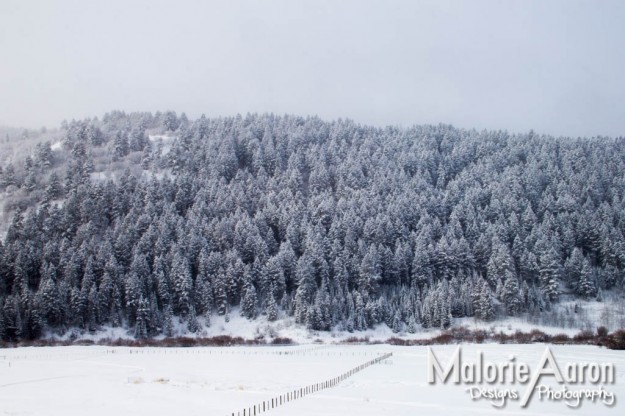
[511, 296]
[550, 273]
[248, 301]
[487, 307]
[271, 310]
[142, 321]
[585, 286]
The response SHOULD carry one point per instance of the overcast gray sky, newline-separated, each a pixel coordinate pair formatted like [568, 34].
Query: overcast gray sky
[555, 66]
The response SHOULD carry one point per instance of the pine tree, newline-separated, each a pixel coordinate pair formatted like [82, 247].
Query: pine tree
[500, 263]
[305, 289]
[550, 273]
[248, 301]
[397, 323]
[192, 323]
[49, 297]
[272, 308]
[182, 284]
[370, 271]
[412, 324]
[94, 135]
[163, 286]
[221, 297]
[585, 286]
[511, 296]
[43, 155]
[204, 293]
[120, 145]
[3, 331]
[168, 324]
[273, 278]
[573, 267]
[143, 318]
[421, 270]
[499, 290]
[487, 308]
[54, 189]
[7, 178]
[170, 121]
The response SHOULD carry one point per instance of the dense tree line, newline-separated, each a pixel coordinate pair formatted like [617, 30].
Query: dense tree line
[337, 224]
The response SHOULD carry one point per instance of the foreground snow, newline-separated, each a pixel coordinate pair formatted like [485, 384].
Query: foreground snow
[400, 387]
[218, 381]
[109, 381]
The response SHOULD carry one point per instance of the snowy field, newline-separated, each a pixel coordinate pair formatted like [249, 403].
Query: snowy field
[219, 381]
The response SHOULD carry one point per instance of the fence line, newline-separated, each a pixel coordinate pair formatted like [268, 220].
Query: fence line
[313, 351]
[266, 405]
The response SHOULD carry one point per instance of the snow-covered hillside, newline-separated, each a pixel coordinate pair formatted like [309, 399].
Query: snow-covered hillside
[162, 225]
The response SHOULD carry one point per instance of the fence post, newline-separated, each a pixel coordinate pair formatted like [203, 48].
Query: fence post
[311, 388]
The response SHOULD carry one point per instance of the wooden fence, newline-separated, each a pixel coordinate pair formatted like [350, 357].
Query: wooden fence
[304, 391]
[316, 351]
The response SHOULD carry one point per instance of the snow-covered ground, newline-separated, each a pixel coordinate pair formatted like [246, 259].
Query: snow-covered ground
[400, 387]
[510, 325]
[238, 326]
[218, 381]
[160, 381]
